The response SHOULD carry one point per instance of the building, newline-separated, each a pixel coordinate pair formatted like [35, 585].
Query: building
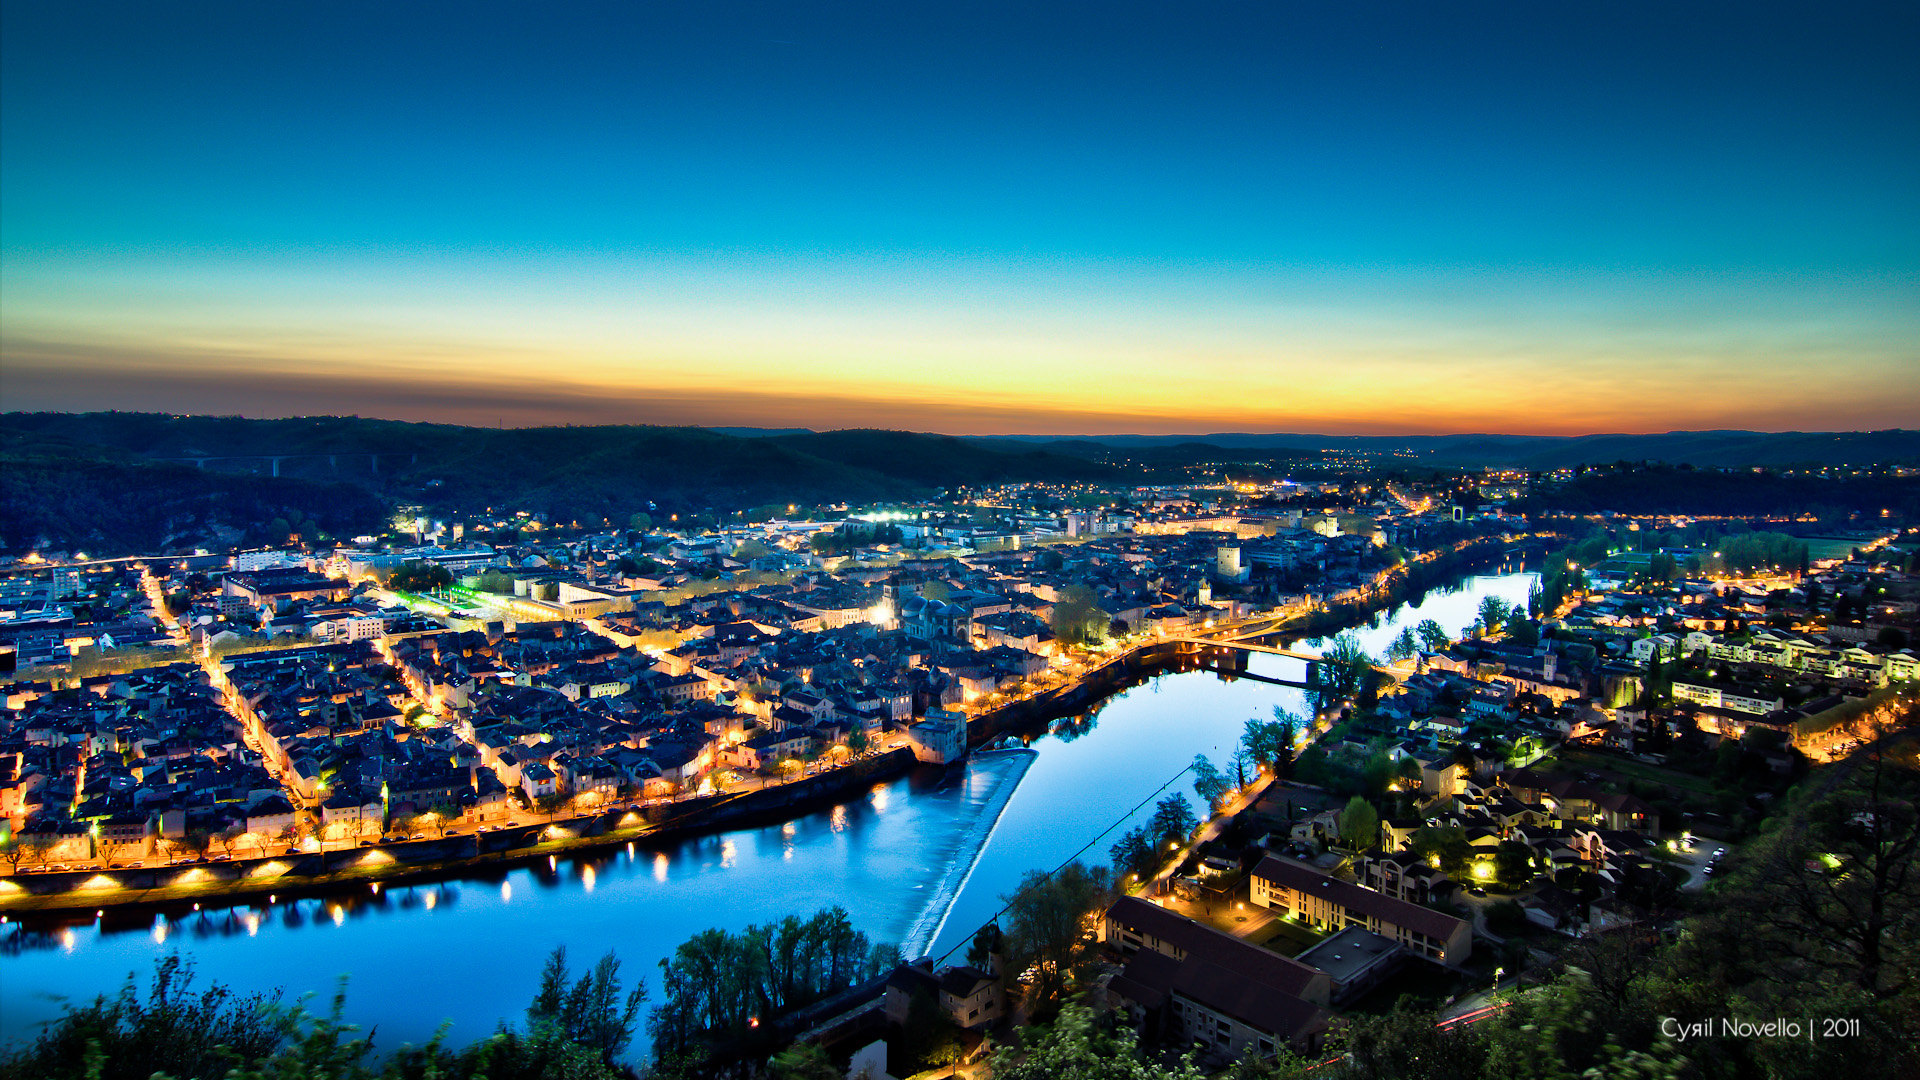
[1324, 903]
[971, 997]
[1716, 695]
[1189, 983]
[1355, 960]
[941, 738]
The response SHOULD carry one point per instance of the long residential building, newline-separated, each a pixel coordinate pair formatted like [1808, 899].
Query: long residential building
[1197, 985]
[1330, 904]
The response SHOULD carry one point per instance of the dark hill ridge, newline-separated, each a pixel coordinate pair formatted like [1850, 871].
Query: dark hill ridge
[559, 473]
[942, 460]
[1703, 448]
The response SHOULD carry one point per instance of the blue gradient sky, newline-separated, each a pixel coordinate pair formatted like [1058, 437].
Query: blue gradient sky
[1069, 218]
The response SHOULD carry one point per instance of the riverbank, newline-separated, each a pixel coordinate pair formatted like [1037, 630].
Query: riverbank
[323, 873]
[1404, 584]
[416, 862]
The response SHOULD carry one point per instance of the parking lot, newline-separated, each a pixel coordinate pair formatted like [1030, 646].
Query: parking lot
[1697, 861]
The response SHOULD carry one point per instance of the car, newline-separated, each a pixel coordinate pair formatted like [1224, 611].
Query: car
[1719, 852]
[1708, 869]
[366, 843]
[1477, 891]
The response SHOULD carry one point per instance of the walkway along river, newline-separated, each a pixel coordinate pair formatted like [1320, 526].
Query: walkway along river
[920, 860]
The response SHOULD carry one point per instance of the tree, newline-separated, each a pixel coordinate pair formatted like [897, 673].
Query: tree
[1077, 616]
[804, 1061]
[1433, 636]
[172, 1029]
[1240, 766]
[987, 942]
[175, 1031]
[1207, 782]
[1342, 670]
[1403, 647]
[1446, 844]
[194, 843]
[1135, 854]
[1078, 1047]
[1513, 864]
[1405, 1045]
[29, 849]
[718, 984]
[592, 1012]
[1492, 614]
[229, 836]
[1046, 929]
[551, 803]
[1270, 742]
[1833, 894]
[1172, 819]
[416, 576]
[1359, 824]
[494, 581]
[443, 817]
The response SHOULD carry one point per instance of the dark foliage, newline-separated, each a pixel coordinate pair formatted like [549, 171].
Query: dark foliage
[562, 473]
[112, 507]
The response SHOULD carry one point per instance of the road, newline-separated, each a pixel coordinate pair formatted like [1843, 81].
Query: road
[1213, 828]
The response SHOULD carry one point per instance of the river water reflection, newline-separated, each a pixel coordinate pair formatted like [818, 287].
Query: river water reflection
[922, 860]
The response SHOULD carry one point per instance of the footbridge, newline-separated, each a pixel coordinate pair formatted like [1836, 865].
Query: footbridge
[1236, 665]
[1245, 646]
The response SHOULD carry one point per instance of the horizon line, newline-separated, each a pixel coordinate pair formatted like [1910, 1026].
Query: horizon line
[723, 429]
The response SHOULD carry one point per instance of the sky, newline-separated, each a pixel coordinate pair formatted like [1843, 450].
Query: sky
[967, 217]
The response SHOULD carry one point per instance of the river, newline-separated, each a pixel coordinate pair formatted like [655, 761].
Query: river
[922, 860]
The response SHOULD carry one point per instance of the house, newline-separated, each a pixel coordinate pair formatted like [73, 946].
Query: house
[1403, 876]
[939, 739]
[270, 817]
[971, 996]
[1326, 903]
[1441, 776]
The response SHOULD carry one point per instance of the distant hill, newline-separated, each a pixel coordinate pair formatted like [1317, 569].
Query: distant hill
[560, 473]
[942, 460]
[130, 481]
[60, 500]
[1683, 489]
[1705, 448]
